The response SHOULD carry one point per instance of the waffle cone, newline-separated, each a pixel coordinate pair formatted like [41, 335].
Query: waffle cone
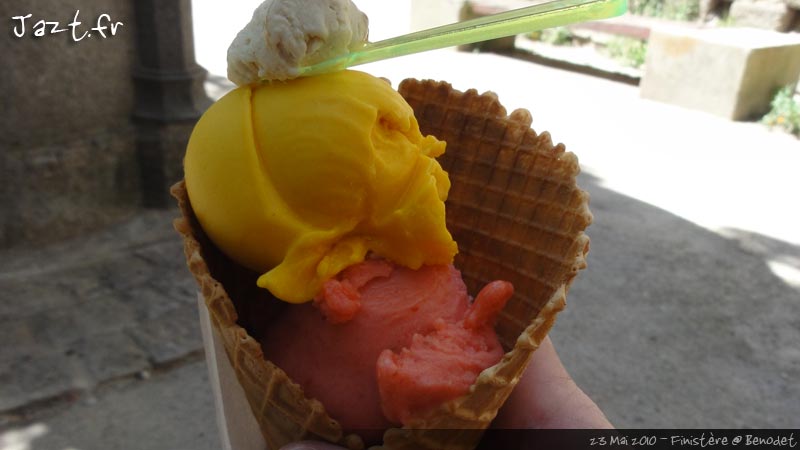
[517, 214]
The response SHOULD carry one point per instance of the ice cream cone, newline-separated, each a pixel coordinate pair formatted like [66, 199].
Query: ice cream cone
[517, 214]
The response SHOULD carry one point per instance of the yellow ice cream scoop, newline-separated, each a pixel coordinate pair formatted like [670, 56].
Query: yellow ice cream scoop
[301, 179]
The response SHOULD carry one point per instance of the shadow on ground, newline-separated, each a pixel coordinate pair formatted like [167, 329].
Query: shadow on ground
[675, 326]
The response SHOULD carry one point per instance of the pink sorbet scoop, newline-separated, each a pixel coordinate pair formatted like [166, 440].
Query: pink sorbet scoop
[382, 342]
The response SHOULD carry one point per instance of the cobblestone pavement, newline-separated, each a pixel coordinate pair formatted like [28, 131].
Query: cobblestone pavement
[116, 304]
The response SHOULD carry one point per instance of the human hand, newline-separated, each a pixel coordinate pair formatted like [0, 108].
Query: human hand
[545, 397]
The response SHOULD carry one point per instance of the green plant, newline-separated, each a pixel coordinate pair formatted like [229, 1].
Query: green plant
[628, 51]
[646, 7]
[726, 21]
[685, 10]
[553, 36]
[784, 112]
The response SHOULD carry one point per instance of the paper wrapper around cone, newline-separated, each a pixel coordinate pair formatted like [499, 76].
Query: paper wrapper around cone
[517, 214]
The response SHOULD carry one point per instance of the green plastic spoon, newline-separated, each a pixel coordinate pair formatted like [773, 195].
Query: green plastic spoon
[518, 21]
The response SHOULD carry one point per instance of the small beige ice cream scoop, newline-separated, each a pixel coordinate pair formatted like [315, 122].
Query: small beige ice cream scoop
[284, 35]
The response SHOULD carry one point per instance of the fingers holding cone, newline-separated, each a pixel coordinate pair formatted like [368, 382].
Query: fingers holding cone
[547, 397]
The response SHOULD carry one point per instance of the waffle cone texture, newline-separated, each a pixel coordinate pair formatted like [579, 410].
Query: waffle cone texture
[515, 211]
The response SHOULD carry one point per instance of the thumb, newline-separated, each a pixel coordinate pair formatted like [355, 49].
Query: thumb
[547, 397]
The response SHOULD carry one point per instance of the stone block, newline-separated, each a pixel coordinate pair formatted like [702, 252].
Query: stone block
[32, 374]
[730, 72]
[109, 355]
[474, 9]
[59, 326]
[172, 336]
[62, 189]
[48, 294]
[770, 15]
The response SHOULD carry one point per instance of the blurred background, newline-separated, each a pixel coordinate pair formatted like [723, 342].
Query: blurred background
[684, 114]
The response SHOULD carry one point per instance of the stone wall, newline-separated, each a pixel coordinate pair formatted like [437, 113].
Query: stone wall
[67, 146]
[93, 127]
